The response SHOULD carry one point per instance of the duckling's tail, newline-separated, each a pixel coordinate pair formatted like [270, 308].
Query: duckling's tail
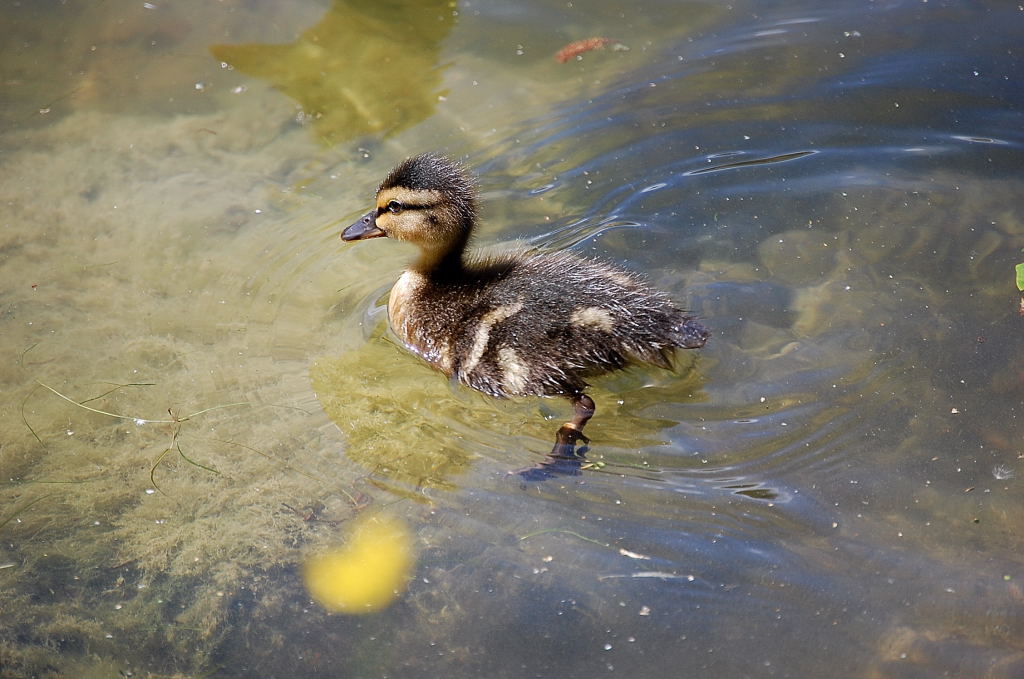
[691, 334]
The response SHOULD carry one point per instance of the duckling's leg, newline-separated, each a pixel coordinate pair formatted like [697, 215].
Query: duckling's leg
[571, 432]
[563, 460]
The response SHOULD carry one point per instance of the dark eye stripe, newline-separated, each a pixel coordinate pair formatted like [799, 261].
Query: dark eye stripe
[408, 206]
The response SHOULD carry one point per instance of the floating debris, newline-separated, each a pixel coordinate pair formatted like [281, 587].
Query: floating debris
[660, 575]
[574, 49]
[633, 555]
[368, 572]
[1001, 472]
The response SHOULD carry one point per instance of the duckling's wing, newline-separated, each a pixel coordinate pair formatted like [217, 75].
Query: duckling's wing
[545, 322]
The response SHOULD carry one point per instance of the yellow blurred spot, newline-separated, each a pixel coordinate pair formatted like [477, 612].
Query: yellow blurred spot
[368, 572]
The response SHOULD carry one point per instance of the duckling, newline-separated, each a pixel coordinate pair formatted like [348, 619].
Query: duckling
[517, 323]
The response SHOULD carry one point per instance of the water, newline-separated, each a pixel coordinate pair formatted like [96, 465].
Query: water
[832, 482]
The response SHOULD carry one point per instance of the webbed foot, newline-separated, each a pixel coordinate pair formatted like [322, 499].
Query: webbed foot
[564, 459]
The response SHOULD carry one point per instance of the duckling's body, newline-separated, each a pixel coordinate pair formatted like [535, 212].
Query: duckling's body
[533, 324]
[518, 323]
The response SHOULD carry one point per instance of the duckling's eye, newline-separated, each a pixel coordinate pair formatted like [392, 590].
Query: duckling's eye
[394, 207]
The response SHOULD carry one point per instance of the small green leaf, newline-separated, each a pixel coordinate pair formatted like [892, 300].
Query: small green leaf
[1020, 276]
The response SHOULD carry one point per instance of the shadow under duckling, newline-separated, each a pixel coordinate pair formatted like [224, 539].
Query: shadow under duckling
[516, 323]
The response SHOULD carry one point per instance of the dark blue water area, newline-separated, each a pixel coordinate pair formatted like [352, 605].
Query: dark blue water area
[902, 91]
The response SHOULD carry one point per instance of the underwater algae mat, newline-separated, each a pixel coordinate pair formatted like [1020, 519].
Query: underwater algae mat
[194, 465]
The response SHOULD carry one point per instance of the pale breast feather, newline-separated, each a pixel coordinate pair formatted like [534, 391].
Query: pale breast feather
[404, 290]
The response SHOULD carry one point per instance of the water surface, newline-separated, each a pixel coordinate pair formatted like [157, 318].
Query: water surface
[831, 482]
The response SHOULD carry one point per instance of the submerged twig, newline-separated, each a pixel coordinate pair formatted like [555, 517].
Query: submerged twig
[152, 470]
[174, 445]
[21, 361]
[175, 421]
[139, 420]
[193, 462]
[19, 510]
[61, 482]
[119, 386]
[562, 530]
[211, 409]
[25, 419]
[659, 575]
[43, 110]
[267, 456]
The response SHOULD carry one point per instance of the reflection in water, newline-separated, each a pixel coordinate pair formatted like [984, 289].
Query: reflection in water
[411, 432]
[394, 412]
[347, 79]
[746, 163]
[566, 462]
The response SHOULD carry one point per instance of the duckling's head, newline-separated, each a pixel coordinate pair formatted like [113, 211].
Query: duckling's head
[429, 201]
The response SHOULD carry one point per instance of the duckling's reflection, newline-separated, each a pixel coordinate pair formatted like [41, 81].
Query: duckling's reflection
[367, 67]
[564, 461]
[409, 429]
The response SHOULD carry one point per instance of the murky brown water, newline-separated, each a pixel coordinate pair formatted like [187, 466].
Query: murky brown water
[832, 482]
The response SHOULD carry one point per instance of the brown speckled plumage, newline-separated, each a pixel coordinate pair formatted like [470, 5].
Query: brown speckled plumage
[559, 353]
[520, 322]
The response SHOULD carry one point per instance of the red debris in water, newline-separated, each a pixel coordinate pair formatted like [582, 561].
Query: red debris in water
[578, 47]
